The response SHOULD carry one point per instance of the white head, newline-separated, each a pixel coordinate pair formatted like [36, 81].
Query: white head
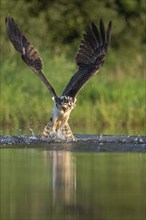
[65, 103]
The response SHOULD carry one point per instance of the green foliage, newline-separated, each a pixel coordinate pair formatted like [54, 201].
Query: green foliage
[112, 102]
[60, 23]
[115, 97]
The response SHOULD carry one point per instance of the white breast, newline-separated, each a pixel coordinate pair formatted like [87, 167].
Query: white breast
[55, 112]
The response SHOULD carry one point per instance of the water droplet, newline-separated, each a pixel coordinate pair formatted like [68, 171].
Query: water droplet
[140, 140]
[101, 137]
[32, 132]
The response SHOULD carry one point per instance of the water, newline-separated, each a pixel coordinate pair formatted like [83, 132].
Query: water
[83, 143]
[42, 184]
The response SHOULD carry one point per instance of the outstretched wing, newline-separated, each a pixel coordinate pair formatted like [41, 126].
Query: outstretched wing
[90, 57]
[28, 53]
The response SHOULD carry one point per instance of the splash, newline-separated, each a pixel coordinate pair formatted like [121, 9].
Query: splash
[88, 142]
[32, 132]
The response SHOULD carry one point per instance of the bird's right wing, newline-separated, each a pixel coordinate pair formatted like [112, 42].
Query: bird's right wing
[28, 53]
[90, 57]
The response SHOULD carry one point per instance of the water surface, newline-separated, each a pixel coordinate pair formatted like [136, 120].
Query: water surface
[41, 184]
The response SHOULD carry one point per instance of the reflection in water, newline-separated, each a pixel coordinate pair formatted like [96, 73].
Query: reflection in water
[58, 185]
[63, 173]
[63, 179]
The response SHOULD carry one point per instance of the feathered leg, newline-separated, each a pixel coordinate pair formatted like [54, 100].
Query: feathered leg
[66, 130]
[48, 130]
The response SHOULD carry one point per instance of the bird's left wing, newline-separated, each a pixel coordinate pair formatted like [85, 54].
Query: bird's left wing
[90, 57]
[28, 53]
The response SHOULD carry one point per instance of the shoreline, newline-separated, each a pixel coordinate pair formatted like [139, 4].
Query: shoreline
[85, 142]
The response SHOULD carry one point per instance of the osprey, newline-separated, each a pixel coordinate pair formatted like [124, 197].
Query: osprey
[89, 59]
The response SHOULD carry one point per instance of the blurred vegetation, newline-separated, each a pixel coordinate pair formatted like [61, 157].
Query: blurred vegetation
[116, 97]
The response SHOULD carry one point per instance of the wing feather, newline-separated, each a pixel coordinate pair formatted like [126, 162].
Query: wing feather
[90, 57]
[28, 53]
[102, 31]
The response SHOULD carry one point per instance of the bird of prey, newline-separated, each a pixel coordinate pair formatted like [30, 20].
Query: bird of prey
[89, 59]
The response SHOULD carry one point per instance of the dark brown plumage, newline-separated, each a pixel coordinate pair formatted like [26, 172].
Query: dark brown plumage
[29, 55]
[89, 58]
